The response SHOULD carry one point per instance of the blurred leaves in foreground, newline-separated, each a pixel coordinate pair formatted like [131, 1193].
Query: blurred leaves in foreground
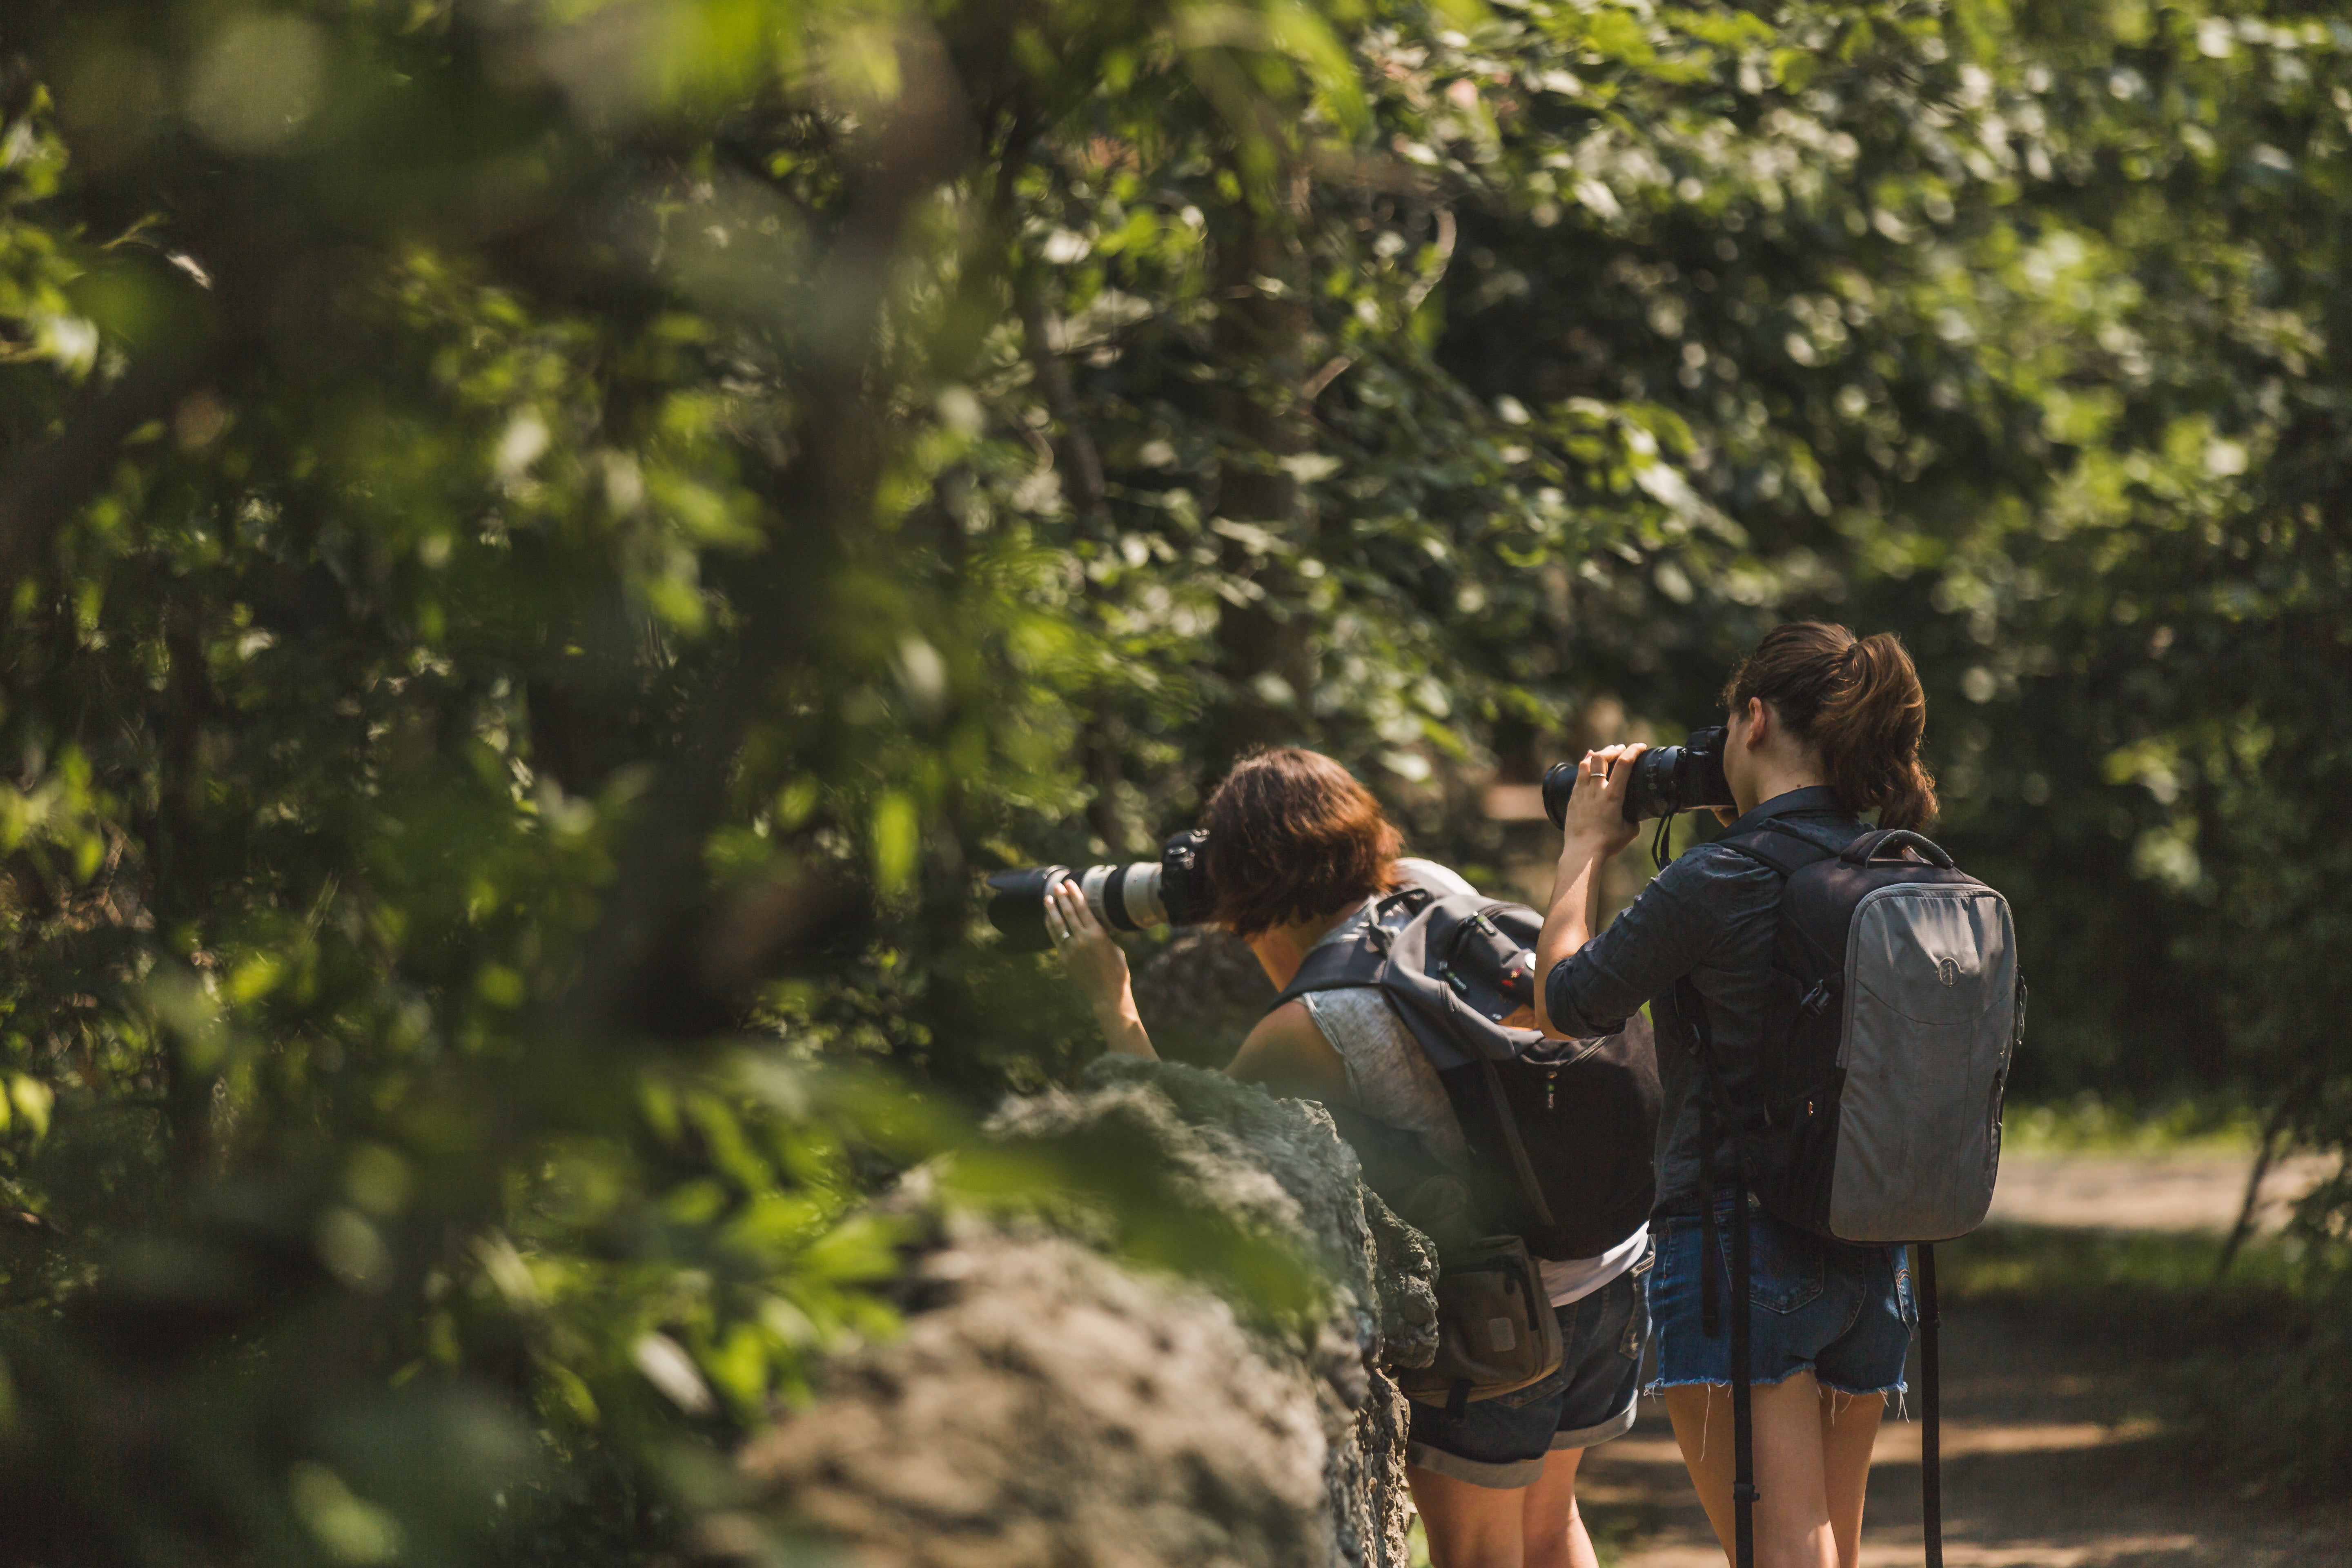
[544, 546]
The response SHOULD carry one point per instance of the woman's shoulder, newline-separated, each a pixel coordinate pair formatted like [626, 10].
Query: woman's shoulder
[1707, 869]
[1294, 1020]
[1289, 1053]
[1725, 851]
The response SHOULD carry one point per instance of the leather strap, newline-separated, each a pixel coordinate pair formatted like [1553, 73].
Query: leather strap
[1710, 1295]
[1521, 1167]
[1692, 1007]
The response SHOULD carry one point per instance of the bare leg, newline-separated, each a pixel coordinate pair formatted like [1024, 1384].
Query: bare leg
[1468, 1526]
[1849, 1428]
[1551, 1526]
[1792, 1511]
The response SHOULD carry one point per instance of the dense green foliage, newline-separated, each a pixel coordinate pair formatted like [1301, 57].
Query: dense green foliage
[545, 546]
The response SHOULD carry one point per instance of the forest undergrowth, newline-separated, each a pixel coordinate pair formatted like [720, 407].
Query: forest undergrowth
[2220, 1360]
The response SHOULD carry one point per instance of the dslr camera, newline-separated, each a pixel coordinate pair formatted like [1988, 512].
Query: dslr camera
[1173, 890]
[1667, 779]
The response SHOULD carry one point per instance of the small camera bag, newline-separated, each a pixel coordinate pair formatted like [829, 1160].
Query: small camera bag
[1497, 1332]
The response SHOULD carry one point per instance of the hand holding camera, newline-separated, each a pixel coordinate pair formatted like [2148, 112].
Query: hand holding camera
[1173, 890]
[1089, 956]
[1660, 780]
[1596, 812]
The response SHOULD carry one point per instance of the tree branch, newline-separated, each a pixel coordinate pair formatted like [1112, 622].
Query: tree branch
[2274, 1131]
[626, 958]
[1079, 452]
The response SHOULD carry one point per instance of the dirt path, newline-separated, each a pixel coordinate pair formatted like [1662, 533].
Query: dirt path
[2162, 1192]
[2039, 1471]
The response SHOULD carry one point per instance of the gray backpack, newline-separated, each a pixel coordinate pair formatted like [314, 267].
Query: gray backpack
[1559, 1132]
[1873, 1111]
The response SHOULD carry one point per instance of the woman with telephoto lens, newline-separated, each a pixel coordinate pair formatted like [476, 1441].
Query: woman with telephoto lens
[1298, 852]
[1822, 726]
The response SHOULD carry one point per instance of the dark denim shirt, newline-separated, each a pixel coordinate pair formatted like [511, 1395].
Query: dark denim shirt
[1711, 915]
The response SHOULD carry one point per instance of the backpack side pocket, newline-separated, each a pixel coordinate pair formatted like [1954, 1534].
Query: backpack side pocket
[1495, 1331]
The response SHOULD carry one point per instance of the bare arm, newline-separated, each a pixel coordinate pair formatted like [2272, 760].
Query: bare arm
[1097, 965]
[1596, 830]
[1287, 1053]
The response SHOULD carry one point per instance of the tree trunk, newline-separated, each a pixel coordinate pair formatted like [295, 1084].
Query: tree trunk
[1266, 661]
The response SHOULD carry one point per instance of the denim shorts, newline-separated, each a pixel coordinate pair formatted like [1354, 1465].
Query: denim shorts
[1845, 1314]
[1501, 1442]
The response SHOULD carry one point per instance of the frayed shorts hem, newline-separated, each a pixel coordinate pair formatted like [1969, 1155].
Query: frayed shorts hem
[1659, 1385]
[1839, 1311]
[1858, 1392]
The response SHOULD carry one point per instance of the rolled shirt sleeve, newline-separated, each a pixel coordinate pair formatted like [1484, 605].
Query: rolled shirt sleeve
[1660, 937]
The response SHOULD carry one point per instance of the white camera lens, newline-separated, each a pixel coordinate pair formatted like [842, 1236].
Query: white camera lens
[1124, 897]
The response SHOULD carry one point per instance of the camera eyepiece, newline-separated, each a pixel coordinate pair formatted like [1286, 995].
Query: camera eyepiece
[1174, 890]
[1666, 779]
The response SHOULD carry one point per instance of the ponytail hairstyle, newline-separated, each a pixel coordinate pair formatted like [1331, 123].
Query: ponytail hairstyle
[1858, 701]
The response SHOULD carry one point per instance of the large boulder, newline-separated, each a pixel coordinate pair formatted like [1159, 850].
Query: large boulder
[1052, 1401]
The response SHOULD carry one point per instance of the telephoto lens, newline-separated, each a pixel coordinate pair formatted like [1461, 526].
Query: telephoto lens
[1667, 779]
[1174, 890]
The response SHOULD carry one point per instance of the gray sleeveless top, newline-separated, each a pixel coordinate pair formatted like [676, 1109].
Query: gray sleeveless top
[1388, 1074]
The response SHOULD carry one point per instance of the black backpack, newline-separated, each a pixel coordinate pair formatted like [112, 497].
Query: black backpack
[1873, 1111]
[1561, 1131]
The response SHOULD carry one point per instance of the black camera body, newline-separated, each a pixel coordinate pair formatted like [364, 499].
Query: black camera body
[1174, 892]
[1667, 779]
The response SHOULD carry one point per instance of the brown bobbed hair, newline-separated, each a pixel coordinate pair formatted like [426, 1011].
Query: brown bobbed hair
[1293, 836]
[1858, 701]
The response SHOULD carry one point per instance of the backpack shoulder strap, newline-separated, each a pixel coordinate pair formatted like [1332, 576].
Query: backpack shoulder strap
[1334, 965]
[1779, 847]
[1788, 849]
[1358, 957]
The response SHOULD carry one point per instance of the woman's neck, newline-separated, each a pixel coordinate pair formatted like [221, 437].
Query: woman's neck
[1772, 780]
[1282, 948]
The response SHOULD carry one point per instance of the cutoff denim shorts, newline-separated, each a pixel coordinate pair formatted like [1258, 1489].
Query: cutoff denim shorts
[1845, 1314]
[1501, 1442]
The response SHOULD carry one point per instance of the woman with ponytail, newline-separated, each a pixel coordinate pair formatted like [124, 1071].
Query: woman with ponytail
[1822, 727]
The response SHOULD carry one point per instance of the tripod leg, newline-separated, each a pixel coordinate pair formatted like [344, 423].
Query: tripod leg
[1931, 1474]
[1743, 1424]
